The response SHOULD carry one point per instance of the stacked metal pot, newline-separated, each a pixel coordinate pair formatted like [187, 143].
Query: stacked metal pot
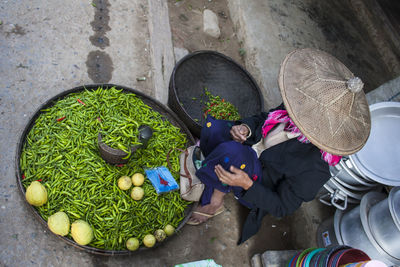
[375, 165]
[345, 186]
[373, 226]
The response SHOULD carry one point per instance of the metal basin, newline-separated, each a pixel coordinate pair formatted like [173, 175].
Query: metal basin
[384, 222]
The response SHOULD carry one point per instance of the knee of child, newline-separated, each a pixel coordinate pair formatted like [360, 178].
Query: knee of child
[231, 146]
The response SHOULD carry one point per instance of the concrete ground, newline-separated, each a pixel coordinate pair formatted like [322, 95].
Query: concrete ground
[47, 47]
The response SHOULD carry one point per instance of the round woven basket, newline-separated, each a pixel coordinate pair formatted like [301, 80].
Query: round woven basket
[221, 76]
[153, 103]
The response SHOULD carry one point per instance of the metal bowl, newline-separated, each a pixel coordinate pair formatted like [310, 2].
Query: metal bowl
[118, 156]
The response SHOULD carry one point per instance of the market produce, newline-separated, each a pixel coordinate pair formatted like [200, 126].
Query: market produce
[124, 182]
[64, 154]
[149, 240]
[132, 244]
[169, 230]
[123, 139]
[137, 193]
[59, 223]
[160, 235]
[219, 108]
[137, 179]
[81, 232]
[36, 194]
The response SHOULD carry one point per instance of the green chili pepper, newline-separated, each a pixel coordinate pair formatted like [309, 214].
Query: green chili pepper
[65, 156]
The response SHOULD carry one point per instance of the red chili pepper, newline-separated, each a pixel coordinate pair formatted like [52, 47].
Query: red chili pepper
[162, 181]
[209, 110]
[80, 101]
[39, 180]
[119, 165]
[23, 176]
[212, 104]
[60, 119]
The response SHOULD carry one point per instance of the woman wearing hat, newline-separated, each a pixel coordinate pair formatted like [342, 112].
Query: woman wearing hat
[274, 161]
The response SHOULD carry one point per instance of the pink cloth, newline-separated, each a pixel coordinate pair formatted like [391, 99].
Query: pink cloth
[281, 116]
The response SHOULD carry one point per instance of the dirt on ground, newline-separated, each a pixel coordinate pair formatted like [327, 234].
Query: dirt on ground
[186, 20]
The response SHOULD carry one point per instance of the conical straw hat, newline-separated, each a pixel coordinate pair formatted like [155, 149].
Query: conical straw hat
[325, 101]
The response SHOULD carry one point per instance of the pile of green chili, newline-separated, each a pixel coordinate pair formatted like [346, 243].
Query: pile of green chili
[61, 152]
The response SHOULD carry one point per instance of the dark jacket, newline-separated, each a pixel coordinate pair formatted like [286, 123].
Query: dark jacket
[293, 172]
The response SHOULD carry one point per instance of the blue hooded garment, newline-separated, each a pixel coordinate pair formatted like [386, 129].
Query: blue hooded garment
[219, 148]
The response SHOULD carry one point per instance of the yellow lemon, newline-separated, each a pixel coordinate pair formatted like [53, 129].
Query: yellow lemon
[138, 179]
[36, 194]
[132, 244]
[149, 240]
[137, 193]
[169, 229]
[124, 183]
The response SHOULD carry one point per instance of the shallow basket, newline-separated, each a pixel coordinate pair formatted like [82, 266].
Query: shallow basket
[153, 103]
[221, 76]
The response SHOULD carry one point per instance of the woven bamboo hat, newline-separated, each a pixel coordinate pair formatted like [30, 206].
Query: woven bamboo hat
[325, 101]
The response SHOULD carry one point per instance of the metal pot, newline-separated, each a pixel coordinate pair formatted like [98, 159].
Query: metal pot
[368, 201]
[352, 187]
[335, 197]
[349, 231]
[343, 175]
[345, 179]
[384, 222]
[349, 161]
[335, 185]
[355, 177]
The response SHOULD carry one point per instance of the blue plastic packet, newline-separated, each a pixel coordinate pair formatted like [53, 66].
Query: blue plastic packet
[161, 179]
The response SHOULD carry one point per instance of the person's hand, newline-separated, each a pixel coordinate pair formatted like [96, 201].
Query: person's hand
[235, 177]
[239, 133]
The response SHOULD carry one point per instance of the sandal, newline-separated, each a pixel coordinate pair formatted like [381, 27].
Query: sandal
[217, 212]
